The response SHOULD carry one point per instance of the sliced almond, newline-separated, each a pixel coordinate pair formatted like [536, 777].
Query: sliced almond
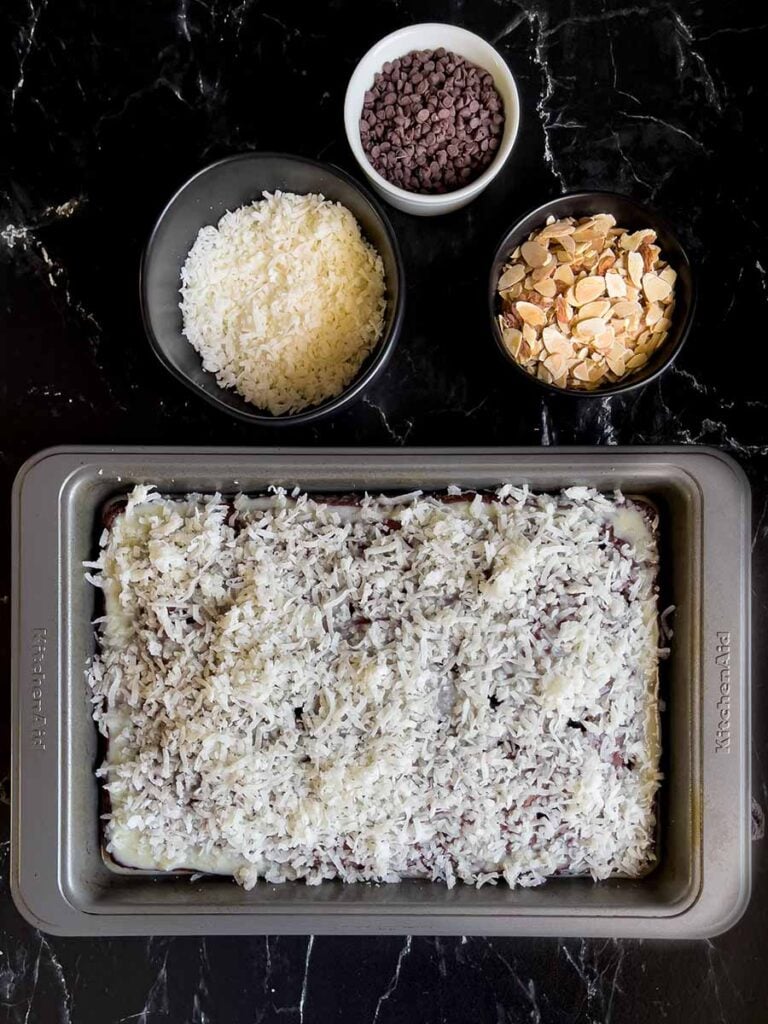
[534, 254]
[529, 333]
[615, 285]
[588, 289]
[635, 268]
[590, 328]
[616, 363]
[624, 308]
[583, 371]
[513, 339]
[632, 242]
[511, 276]
[546, 287]
[590, 300]
[555, 341]
[600, 307]
[655, 289]
[530, 314]
[650, 254]
[605, 222]
[637, 360]
[653, 314]
[656, 339]
[556, 364]
[544, 271]
[564, 274]
[563, 312]
[557, 229]
[605, 262]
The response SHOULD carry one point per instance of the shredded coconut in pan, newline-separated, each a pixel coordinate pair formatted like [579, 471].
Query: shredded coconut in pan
[456, 688]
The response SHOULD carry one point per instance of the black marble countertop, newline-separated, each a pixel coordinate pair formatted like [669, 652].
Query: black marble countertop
[105, 108]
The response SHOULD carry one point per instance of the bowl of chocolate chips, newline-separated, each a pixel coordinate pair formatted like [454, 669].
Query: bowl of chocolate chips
[431, 115]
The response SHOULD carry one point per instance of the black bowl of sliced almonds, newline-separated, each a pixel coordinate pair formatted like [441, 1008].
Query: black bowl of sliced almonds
[591, 295]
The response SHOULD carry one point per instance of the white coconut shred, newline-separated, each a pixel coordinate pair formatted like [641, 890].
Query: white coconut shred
[284, 299]
[460, 689]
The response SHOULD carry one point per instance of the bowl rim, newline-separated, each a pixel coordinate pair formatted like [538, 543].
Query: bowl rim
[466, 191]
[378, 358]
[655, 219]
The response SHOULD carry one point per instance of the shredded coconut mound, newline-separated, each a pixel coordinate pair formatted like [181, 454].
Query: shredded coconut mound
[454, 688]
[284, 300]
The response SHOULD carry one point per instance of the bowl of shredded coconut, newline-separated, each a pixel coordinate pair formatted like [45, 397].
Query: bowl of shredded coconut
[272, 286]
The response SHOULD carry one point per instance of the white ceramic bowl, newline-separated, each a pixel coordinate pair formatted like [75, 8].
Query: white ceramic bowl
[431, 36]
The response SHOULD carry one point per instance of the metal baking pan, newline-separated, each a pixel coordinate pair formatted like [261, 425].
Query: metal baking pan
[701, 886]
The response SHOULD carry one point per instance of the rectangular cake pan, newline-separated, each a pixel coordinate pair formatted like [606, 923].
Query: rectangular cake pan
[61, 882]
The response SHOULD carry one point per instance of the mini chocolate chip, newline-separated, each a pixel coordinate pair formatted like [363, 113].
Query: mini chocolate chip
[431, 120]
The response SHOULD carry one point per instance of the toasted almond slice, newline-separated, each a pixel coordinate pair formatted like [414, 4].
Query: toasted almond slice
[653, 314]
[529, 333]
[632, 242]
[604, 342]
[563, 312]
[662, 325]
[633, 292]
[530, 314]
[556, 364]
[557, 229]
[583, 370]
[635, 267]
[515, 255]
[564, 274]
[511, 276]
[605, 221]
[650, 254]
[534, 254]
[589, 232]
[615, 285]
[590, 328]
[668, 275]
[655, 289]
[624, 308]
[543, 373]
[600, 307]
[606, 261]
[616, 364]
[567, 242]
[637, 360]
[588, 289]
[555, 341]
[546, 287]
[656, 340]
[544, 271]
[597, 371]
[513, 340]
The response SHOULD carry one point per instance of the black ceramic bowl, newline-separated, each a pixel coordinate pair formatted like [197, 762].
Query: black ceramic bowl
[628, 214]
[204, 199]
